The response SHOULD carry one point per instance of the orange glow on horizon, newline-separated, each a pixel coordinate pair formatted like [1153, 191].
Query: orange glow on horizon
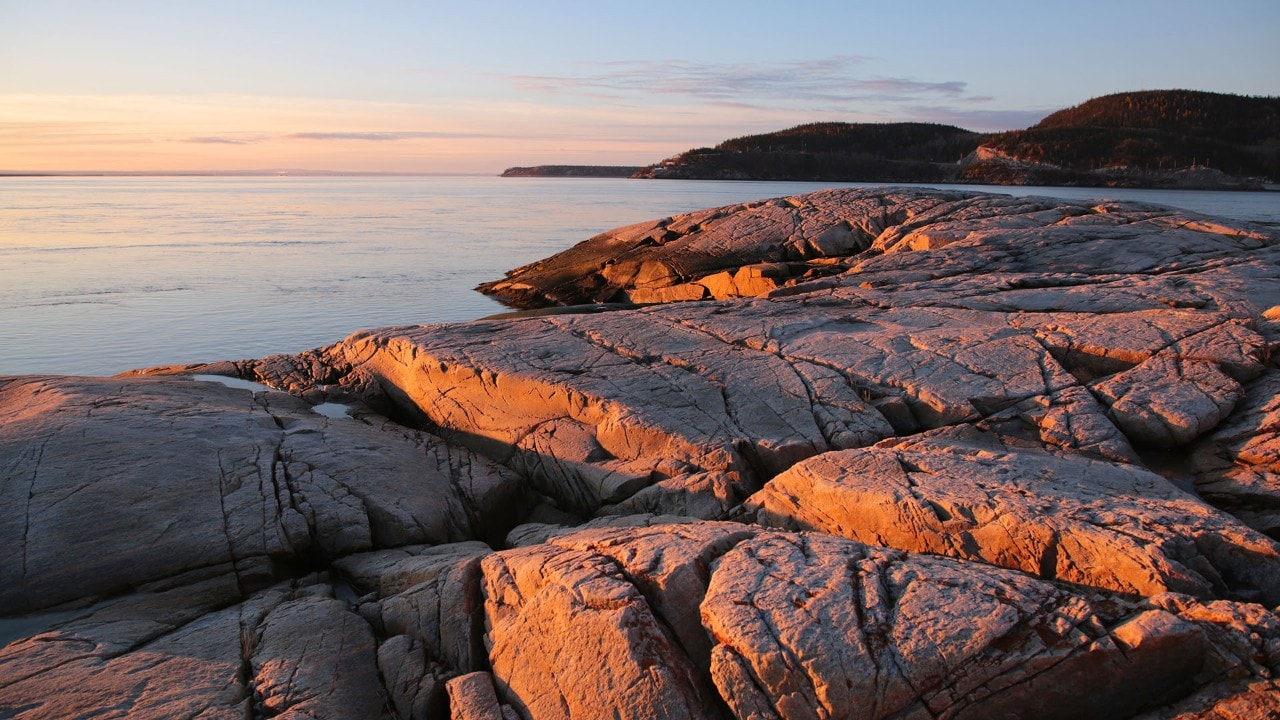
[84, 133]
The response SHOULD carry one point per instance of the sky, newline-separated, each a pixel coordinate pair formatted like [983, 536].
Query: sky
[475, 86]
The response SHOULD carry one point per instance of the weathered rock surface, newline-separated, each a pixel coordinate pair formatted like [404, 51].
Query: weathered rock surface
[855, 630]
[648, 619]
[430, 596]
[113, 483]
[1071, 518]
[472, 697]
[312, 657]
[793, 239]
[569, 636]
[288, 652]
[1076, 391]
[1238, 466]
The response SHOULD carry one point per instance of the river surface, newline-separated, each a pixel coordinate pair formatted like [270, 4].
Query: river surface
[104, 274]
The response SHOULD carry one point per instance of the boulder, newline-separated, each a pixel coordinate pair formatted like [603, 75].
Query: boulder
[415, 685]
[312, 657]
[472, 697]
[797, 625]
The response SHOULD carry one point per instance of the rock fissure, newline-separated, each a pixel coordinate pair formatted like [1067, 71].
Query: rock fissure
[232, 553]
[26, 508]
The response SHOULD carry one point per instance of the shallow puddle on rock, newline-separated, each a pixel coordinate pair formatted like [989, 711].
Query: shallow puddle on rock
[232, 382]
[332, 410]
[17, 628]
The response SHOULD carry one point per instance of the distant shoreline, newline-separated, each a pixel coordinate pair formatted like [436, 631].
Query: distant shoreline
[1266, 187]
[597, 171]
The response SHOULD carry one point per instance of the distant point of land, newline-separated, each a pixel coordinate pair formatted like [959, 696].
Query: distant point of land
[600, 171]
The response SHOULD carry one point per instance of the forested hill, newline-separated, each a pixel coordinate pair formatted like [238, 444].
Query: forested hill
[895, 152]
[1212, 116]
[1176, 138]
[1161, 138]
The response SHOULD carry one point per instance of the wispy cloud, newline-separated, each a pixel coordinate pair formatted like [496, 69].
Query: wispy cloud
[386, 136]
[227, 139]
[835, 80]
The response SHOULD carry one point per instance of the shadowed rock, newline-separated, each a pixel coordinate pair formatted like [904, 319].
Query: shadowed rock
[1238, 466]
[312, 657]
[118, 482]
[431, 596]
[184, 653]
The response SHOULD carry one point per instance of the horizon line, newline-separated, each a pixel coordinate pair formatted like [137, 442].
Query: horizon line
[290, 172]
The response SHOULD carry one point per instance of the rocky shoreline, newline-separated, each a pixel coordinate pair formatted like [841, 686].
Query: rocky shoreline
[857, 453]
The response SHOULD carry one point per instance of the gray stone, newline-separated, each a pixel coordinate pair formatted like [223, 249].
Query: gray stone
[119, 482]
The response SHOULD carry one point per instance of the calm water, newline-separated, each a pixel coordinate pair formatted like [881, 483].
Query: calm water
[101, 275]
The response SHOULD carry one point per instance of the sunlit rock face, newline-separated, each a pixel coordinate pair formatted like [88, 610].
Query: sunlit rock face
[1064, 517]
[956, 455]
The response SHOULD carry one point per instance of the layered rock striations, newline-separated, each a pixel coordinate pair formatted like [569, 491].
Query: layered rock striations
[912, 454]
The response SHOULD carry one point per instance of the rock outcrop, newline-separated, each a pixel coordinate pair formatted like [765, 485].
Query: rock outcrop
[956, 456]
[1088, 328]
[112, 484]
[784, 241]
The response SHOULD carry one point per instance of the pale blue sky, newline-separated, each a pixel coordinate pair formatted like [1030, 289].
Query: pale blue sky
[478, 86]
